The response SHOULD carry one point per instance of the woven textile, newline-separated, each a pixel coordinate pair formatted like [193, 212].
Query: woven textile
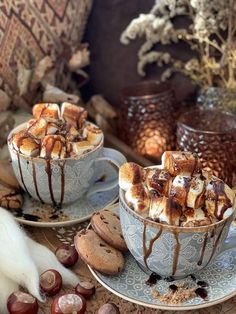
[32, 29]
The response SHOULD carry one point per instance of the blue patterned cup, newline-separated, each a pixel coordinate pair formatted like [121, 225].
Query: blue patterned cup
[62, 181]
[171, 250]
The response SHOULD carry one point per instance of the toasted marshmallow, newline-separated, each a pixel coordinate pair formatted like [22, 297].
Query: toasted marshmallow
[176, 162]
[93, 134]
[25, 144]
[130, 174]
[47, 111]
[196, 218]
[37, 128]
[196, 193]
[73, 114]
[79, 148]
[71, 133]
[180, 188]
[137, 198]
[159, 180]
[164, 209]
[53, 146]
[219, 198]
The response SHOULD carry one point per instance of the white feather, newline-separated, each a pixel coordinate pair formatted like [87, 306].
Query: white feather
[7, 287]
[46, 259]
[15, 260]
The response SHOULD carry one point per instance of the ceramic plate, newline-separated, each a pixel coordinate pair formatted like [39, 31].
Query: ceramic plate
[36, 214]
[130, 284]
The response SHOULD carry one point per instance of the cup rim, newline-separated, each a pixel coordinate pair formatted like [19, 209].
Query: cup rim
[40, 159]
[162, 88]
[197, 130]
[172, 228]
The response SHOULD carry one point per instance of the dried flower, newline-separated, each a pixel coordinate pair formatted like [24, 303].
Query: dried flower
[211, 33]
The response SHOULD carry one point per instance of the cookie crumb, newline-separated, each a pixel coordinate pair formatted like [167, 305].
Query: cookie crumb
[155, 293]
[181, 295]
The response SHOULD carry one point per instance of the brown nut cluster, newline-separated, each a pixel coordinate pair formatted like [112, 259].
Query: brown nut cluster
[179, 192]
[57, 132]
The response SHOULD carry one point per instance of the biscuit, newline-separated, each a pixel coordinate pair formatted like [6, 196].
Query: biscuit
[107, 225]
[97, 253]
[10, 198]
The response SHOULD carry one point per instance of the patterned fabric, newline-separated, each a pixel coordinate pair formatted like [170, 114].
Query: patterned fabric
[32, 29]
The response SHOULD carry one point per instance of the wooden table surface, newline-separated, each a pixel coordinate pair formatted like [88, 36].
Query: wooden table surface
[53, 237]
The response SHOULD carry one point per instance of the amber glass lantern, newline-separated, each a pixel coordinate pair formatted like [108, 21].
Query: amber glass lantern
[211, 134]
[147, 119]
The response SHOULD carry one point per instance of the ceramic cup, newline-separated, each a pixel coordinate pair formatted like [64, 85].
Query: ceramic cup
[62, 181]
[171, 250]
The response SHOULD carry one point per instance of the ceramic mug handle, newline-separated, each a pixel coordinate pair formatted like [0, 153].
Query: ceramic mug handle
[115, 158]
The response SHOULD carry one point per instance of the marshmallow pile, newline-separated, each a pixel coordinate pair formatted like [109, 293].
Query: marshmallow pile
[179, 192]
[57, 133]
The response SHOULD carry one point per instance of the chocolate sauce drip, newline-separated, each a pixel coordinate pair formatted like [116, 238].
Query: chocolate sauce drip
[35, 183]
[31, 217]
[148, 251]
[19, 213]
[153, 278]
[217, 242]
[49, 173]
[176, 254]
[202, 293]
[192, 277]
[203, 249]
[202, 283]
[218, 187]
[20, 171]
[62, 166]
[173, 288]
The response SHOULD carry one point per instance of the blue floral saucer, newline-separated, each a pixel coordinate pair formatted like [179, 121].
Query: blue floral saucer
[131, 285]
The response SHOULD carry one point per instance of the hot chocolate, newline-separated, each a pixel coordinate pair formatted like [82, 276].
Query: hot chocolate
[179, 192]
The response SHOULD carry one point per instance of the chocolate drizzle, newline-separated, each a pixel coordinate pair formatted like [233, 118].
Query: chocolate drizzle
[217, 242]
[153, 278]
[218, 187]
[176, 253]
[20, 171]
[62, 166]
[203, 249]
[49, 173]
[148, 251]
[35, 183]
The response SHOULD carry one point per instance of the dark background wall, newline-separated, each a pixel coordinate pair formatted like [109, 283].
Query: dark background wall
[114, 65]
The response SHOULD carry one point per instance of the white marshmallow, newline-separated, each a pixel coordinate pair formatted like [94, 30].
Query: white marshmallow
[137, 197]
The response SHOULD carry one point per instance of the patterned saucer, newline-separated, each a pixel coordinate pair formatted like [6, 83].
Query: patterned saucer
[34, 213]
[130, 284]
